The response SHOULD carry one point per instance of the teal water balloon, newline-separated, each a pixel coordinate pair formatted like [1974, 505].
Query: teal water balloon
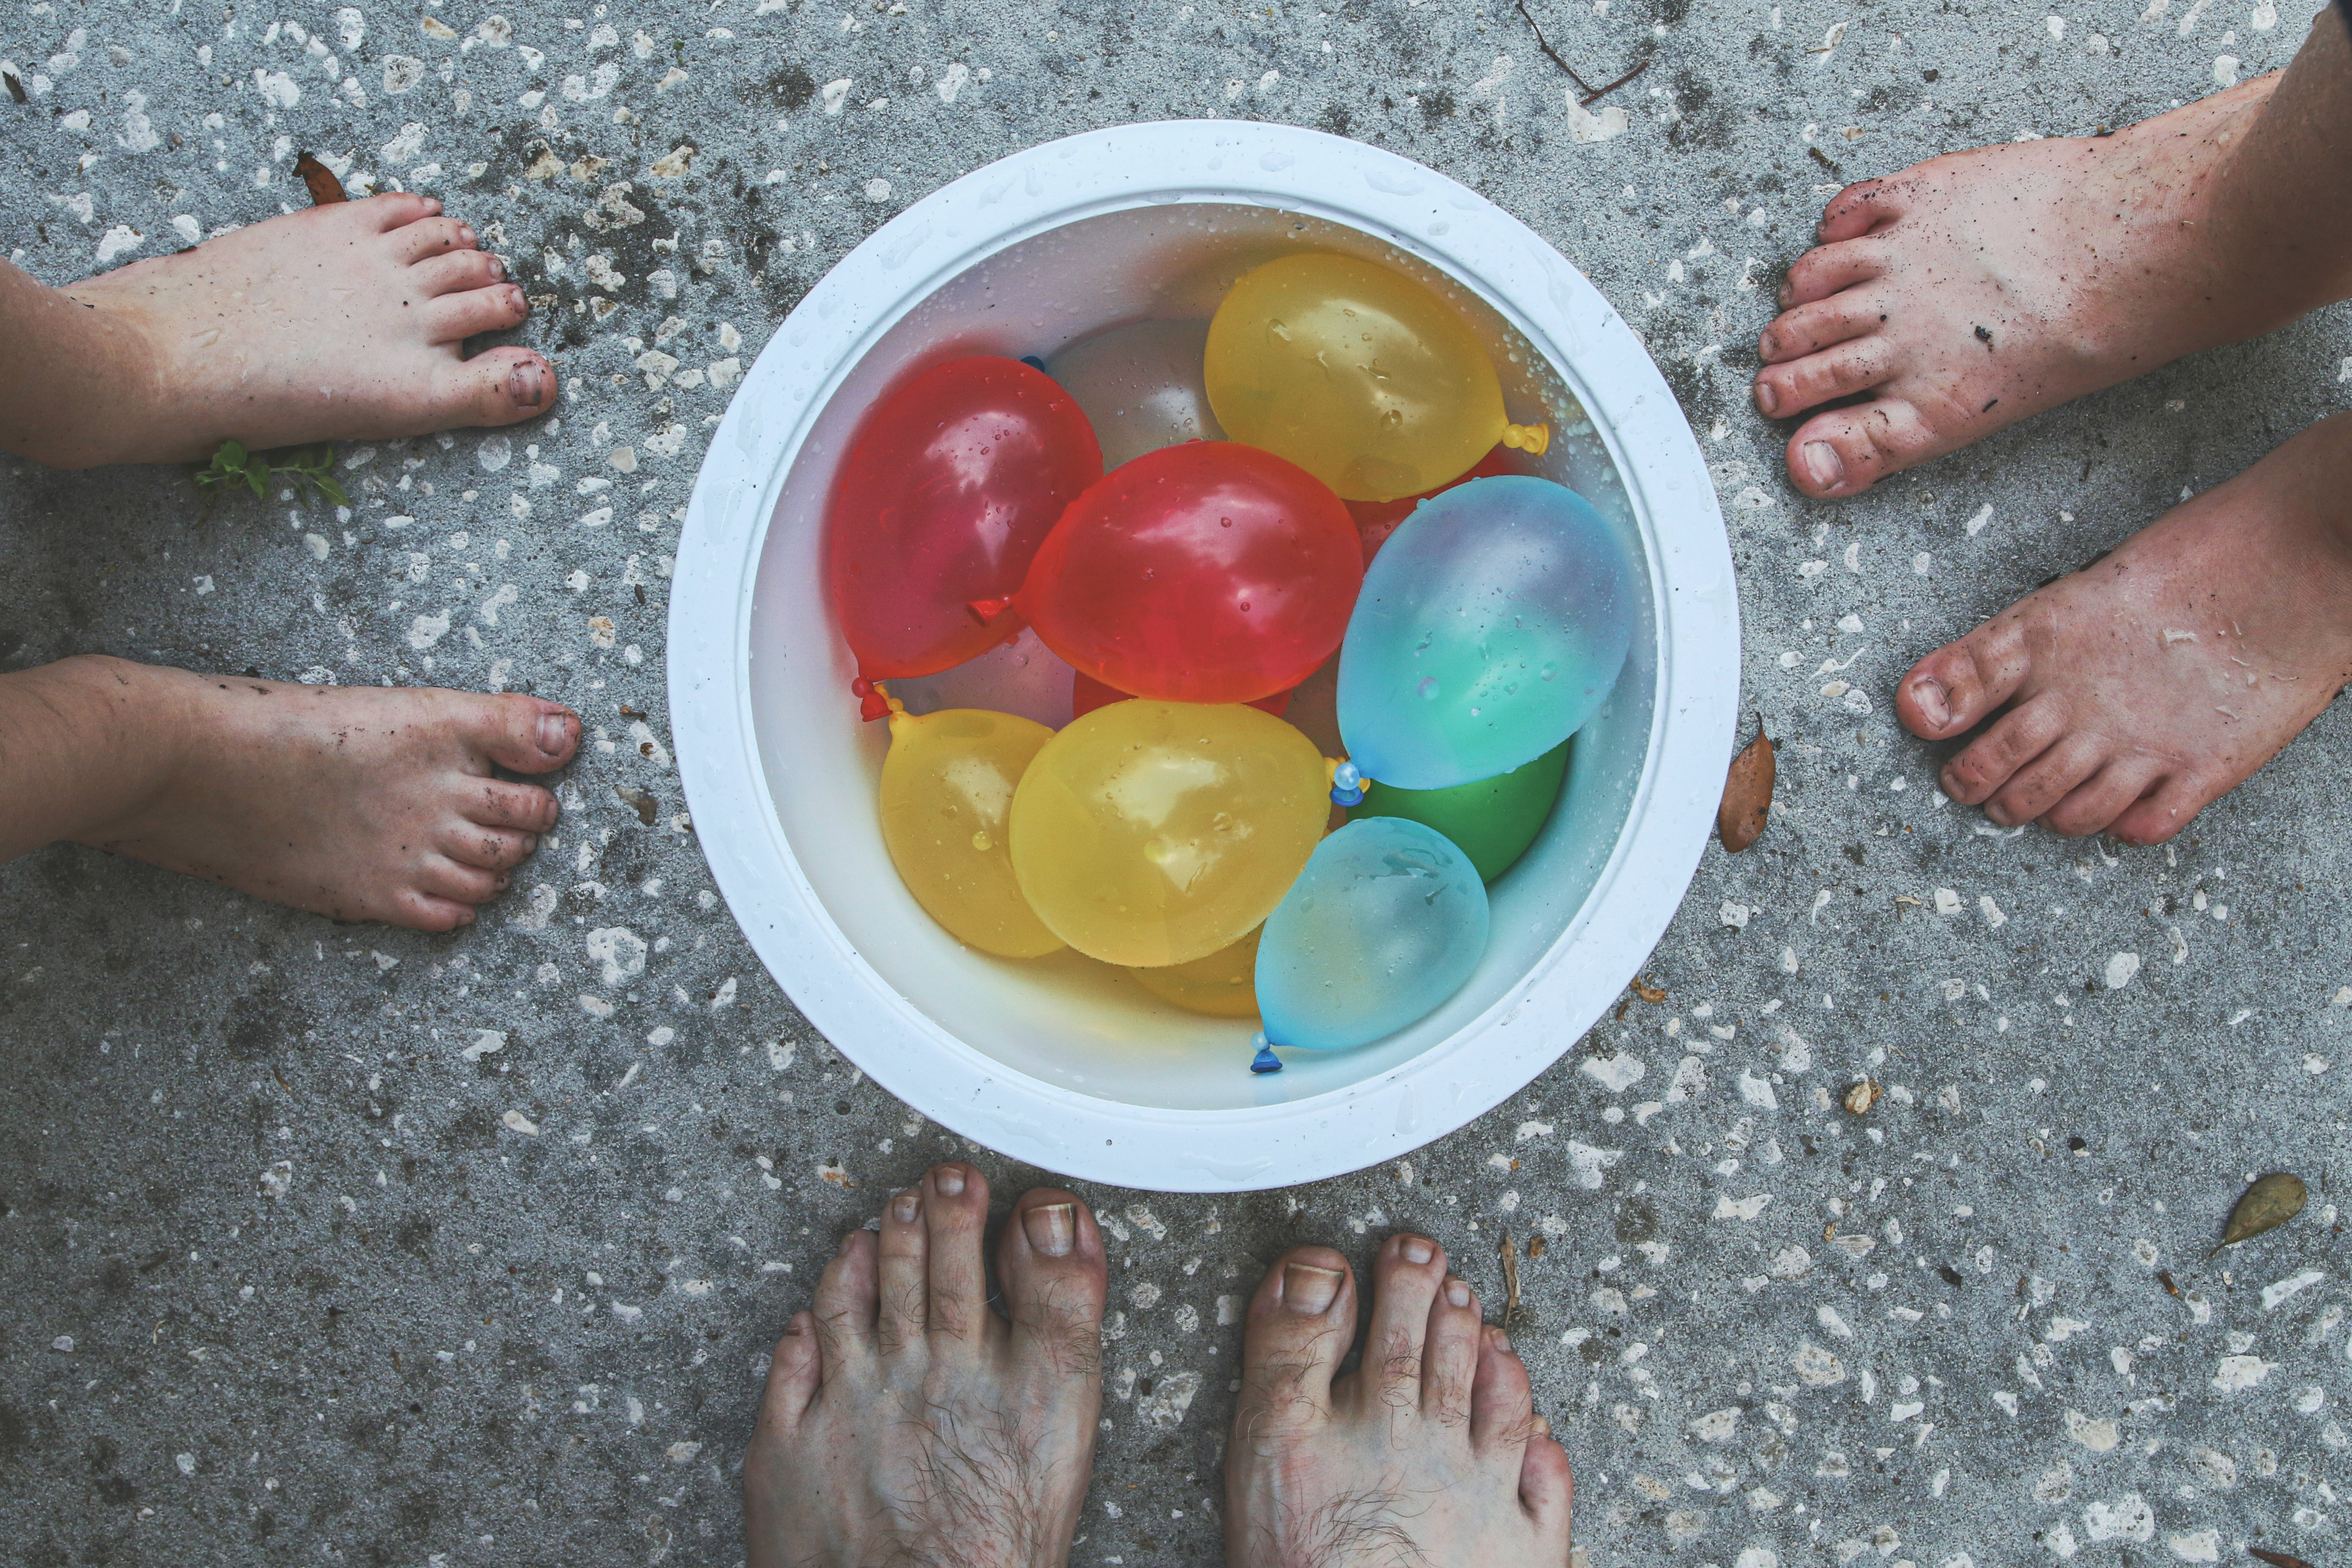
[1491, 625]
[1386, 923]
[1141, 386]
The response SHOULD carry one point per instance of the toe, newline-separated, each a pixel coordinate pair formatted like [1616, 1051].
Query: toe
[1450, 1355]
[393, 209]
[2021, 734]
[1809, 329]
[1950, 691]
[845, 1305]
[2103, 797]
[497, 386]
[455, 272]
[1405, 1280]
[489, 848]
[443, 878]
[524, 808]
[1856, 210]
[1847, 451]
[794, 1373]
[2158, 817]
[421, 910]
[905, 1263]
[1838, 371]
[453, 318]
[1824, 271]
[525, 734]
[427, 237]
[955, 1211]
[1050, 1258]
[2047, 779]
[1547, 1489]
[1502, 1402]
[1300, 1323]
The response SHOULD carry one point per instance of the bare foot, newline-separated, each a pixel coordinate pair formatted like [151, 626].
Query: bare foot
[1429, 1456]
[907, 1425]
[2145, 687]
[358, 803]
[344, 321]
[1974, 290]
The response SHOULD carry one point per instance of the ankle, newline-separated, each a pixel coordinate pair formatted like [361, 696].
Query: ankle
[132, 727]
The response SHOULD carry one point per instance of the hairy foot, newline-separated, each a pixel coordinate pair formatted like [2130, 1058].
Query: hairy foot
[2142, 688]
[906, 1425]
[358, 803]
[1974, 290]
[1430, 1455]
[344, 321]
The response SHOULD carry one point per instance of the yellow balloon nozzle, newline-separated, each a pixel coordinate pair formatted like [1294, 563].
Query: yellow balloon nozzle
[1532, 439]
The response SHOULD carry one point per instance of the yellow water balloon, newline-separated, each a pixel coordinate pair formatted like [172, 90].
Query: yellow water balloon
[1149, 833]
[1224, 985]
[1358, 375]
[948, 786]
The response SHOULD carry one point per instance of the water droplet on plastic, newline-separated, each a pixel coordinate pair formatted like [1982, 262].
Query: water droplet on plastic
[982, 842]
[1428, 689]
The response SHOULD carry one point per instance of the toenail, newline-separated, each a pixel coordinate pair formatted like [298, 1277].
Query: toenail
[795, 1329]
[1458, 1294]
[948, 1181]
[1823, 463]
[1503, 1343]
[1418, 1251]
[554, 733]
[1768, 398]
[1542, 1427]
[524, 384]
[905, 1206]
[465, 235]
[1929, 694]
[1052, 1228]
[1307, 1289]
[498, 269]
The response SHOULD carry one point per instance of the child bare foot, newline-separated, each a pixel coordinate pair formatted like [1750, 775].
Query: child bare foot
[2145, 687]
[337, 323]
[1974, 290]
[905, 1423]
[361, 803]
[1430, 1455]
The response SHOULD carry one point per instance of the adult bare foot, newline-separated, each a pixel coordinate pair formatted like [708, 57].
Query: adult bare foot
[1430, 1455]
[344, 321]
[2145, 687]
[905, 1423]
[362, 803]
[1974, 290]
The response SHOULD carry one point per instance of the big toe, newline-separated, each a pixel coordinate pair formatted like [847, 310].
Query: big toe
[1952, 689]
[525, 734]
[1051, 1260]
[497, 386]
[1300, 1323]
[1844, 451]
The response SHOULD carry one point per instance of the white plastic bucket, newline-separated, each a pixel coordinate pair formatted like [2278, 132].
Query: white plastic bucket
[1065, 1064]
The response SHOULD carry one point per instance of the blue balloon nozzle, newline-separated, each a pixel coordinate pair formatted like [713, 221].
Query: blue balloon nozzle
[1346, 786]
[1265, 1060]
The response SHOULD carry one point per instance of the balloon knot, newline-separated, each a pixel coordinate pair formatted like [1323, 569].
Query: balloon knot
[1532, 439]
[1265, 1060]
[873, 702]
[1346, 786]
[985, 611]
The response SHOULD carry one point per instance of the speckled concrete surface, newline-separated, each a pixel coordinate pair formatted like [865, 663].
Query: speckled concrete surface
[339, 1244]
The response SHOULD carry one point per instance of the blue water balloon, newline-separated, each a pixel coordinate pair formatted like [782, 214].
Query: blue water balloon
[1386, 923]
[1492, 625]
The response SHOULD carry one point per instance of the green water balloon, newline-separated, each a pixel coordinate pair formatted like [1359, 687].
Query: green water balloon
[1492, 821]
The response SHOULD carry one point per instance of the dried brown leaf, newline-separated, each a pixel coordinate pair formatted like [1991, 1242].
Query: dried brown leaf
[1748, 792]
[2275, 1559]
[2267, 1205]
[641, 801]
[1534, 1247]
[1863, 1096]
[1647, 991]
[325, 189]
[1510, 1282]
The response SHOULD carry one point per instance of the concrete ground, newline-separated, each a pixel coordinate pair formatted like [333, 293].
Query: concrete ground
[289, 1276]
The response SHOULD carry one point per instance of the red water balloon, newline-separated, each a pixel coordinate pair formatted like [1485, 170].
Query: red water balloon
[1375, 520]
[951, 483]
[1087, 694]
[1206, 572]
